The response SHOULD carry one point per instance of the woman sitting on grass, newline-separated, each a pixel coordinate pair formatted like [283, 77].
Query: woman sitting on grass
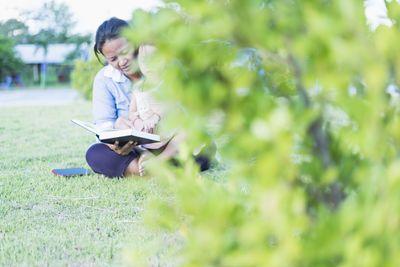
[112, 95]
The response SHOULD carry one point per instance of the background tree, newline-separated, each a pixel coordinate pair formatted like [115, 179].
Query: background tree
[54, 23]
[16, 30]
[53, 19]
[9, 63]
[308, 134]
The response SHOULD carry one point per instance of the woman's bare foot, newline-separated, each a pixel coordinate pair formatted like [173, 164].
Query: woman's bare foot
[143, 158]
[132, 169]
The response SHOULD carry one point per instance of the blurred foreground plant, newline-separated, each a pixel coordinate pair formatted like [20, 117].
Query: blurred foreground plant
[295, 93]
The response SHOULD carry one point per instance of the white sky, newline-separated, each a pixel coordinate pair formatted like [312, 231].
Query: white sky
[89, 14]
[375, 11]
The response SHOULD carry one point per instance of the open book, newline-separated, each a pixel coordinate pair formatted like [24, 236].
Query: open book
[123, 136]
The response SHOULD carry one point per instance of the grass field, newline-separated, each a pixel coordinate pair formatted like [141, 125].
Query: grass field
[46, 220]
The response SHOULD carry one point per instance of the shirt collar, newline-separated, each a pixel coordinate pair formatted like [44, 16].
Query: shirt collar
[114, 74]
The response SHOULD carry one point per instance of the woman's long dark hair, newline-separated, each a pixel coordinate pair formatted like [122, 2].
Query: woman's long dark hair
[108, 30]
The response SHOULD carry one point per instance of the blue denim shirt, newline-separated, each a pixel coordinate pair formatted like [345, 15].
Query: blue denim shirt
[111, 97]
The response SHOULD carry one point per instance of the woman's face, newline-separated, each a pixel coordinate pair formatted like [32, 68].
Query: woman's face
[121, 55]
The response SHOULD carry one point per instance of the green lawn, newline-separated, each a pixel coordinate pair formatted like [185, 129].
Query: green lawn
[53, 221]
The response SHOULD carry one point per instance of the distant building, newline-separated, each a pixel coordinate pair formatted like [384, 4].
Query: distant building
[53, 66]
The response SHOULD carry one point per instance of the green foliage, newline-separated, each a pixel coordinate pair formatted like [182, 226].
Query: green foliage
[15, 29]
[9, 63]
[83, 76]
[308, 134]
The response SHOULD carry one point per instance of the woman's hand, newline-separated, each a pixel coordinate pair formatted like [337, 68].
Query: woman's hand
[124, 150]
[122, 123]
